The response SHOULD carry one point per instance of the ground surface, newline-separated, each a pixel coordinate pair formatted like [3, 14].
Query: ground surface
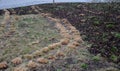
[97, 23]
[66, 50]
[23, 40]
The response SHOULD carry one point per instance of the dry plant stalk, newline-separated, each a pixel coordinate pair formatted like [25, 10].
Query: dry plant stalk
[34, 43]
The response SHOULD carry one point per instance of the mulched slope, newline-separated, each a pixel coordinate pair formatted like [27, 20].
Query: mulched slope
[98, 23]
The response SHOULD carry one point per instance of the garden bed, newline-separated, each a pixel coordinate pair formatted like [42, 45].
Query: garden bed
[98, 24]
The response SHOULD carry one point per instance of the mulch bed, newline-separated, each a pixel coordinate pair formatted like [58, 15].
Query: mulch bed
[98, 24]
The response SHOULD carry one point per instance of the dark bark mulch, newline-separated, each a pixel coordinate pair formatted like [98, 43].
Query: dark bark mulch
[98, 23]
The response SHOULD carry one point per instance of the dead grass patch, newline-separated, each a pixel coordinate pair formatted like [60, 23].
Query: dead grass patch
[37, 53]
[51, 57]
[32, 64]
[76, 43]
[45, 49]
[3, 65]
[71, 46]
[42, 60]
[60, 54]
[28, 56]
[65, 41]
[20, 68]
[17, 60]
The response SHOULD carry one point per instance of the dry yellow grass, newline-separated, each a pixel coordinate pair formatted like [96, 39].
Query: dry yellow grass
[72, 28]
[71, 46]
[54, 45]
[51, 57]
[16, 18]
[28, 56]
[17, 60]
[3, 65]
[2, 24]
[65, 41]
[76, 43]
[48, 16]
[61, 28]
[45, 49]
[77, 38]
[67, 36]
[51, 47]
[64, 34]
[34, 8]
[37, 53]
[20, 69]
[60, 54]
[81, 14]
[7, 16]
[65, 21]
[57, 44]
[76, 32]
[34, 43]
[32, 64]
[42, 60]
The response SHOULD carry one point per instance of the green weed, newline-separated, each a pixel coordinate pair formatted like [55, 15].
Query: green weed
[110, 26]
[114, 57]
[96, 58]
[96, 22]
[114, 49]
[59, 69]
[84, 65]
[117, 35]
